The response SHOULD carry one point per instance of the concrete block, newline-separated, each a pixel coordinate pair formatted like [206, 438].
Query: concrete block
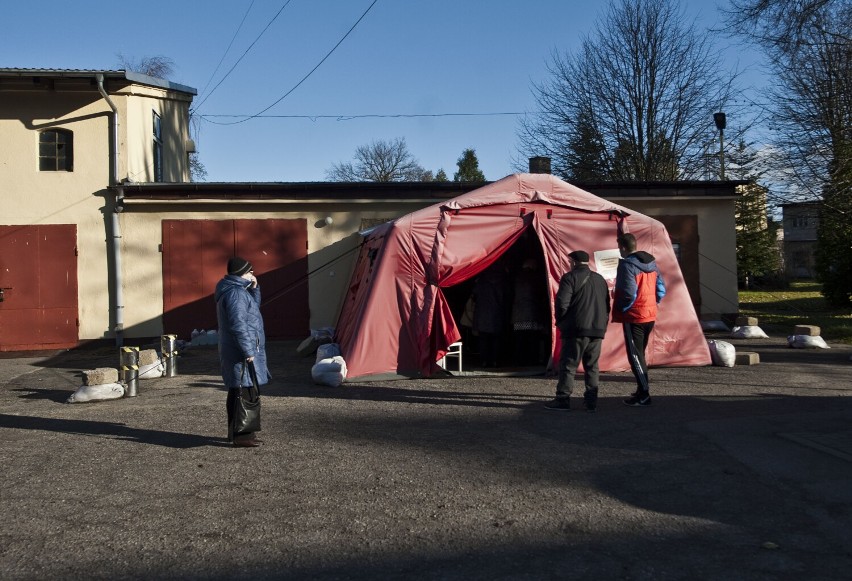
[747, 358]
[746, 321]
[148, 357]
[807, 330]
[100, 376]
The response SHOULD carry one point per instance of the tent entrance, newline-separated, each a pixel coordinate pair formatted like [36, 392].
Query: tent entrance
[503, 313]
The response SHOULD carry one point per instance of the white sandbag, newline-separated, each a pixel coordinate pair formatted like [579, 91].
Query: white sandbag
[327, 351]
[722, 353]
[152, 370]
[748, 332]
[203, 337]
[98, 392]
[714, 326]
[331, 371]
[807, 342]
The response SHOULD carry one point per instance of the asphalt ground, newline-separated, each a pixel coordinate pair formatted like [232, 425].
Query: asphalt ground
[733, 473]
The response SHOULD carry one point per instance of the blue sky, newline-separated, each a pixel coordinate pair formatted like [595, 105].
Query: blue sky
[406, 57]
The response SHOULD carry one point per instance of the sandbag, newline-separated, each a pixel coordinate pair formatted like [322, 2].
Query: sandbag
[152, 370]
[327, 351]
[748, 332]
[203, 337]
[98, 392]
[807, 342]
[331, 371]
[722, 353]
[714, 326]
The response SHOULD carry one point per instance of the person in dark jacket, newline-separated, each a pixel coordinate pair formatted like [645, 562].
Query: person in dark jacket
[489, 312]
[582, 313]
[639, 287]
[241, 338]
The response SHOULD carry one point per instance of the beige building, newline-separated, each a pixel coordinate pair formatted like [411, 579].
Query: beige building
[102, 236]
[65, 137]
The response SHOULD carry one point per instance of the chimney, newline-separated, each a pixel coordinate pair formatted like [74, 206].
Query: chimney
[539, 164]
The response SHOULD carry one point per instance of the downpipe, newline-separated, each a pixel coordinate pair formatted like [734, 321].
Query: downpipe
[115, 227]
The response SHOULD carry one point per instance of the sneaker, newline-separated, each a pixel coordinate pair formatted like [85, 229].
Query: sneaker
[559, 404]
[590, 407]
[638, 400]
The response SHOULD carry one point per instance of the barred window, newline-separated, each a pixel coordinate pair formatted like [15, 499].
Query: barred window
[158, 149]
[56, 150]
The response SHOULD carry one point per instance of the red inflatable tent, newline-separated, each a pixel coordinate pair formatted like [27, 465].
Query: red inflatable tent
[396, 319]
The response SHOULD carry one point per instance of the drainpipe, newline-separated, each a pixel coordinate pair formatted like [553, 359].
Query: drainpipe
[118, 285]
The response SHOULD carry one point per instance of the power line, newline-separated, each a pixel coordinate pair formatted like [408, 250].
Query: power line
[366, 116]
[296, 86]
[233, 38]
[245, 53]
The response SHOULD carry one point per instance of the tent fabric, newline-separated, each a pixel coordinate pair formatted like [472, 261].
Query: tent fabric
[396, 321]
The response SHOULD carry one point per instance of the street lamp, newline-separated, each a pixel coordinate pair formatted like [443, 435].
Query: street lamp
[719, 119]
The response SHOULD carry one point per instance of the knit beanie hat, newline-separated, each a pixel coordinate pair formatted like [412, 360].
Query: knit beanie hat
[238, 266]
[580, 256]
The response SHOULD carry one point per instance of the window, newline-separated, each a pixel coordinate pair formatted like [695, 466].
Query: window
[56, 150]
[158, 149]
[677, 251]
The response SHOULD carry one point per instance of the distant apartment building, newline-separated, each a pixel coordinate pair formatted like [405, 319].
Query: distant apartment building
[801, 222]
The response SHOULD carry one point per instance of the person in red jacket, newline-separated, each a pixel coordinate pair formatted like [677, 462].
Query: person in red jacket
[639, 287]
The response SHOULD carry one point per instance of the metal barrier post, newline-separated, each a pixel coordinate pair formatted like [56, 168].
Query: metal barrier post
[129, 360]
[168, 347]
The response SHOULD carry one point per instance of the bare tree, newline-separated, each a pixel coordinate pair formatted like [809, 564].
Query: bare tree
[809, 44]
[635, 102]
[380, 161]
[161, 67]
[773, 23]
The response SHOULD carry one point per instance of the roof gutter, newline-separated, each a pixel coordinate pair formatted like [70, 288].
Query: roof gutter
[115, 226]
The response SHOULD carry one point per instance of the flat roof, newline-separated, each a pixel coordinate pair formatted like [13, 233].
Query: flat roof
[331, 191]
[119, 75]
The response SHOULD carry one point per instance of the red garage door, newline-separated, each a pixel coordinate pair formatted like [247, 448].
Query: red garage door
[38, 275]
[683, 231]
[195, 253]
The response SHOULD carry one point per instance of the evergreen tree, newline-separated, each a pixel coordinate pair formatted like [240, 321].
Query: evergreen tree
[441, 176]
[468, 168]
[586, 153]
[834, 241]
[757, 235]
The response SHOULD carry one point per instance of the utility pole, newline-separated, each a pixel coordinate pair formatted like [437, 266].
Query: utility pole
[719, 119]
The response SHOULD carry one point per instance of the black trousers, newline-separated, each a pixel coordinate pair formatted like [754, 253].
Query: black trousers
[636, 341]
[575, 349]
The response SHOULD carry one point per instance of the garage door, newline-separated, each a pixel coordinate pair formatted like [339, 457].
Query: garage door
[195, 253]
[38, 276]
[683, 231]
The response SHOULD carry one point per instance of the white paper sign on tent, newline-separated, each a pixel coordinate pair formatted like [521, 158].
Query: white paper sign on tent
[606, 263]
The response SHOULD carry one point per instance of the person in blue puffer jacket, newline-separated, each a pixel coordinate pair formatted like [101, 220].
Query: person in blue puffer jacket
[241, 337]
[639, 287]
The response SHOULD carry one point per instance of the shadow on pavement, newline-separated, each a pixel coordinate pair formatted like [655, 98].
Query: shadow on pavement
[119, 431]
